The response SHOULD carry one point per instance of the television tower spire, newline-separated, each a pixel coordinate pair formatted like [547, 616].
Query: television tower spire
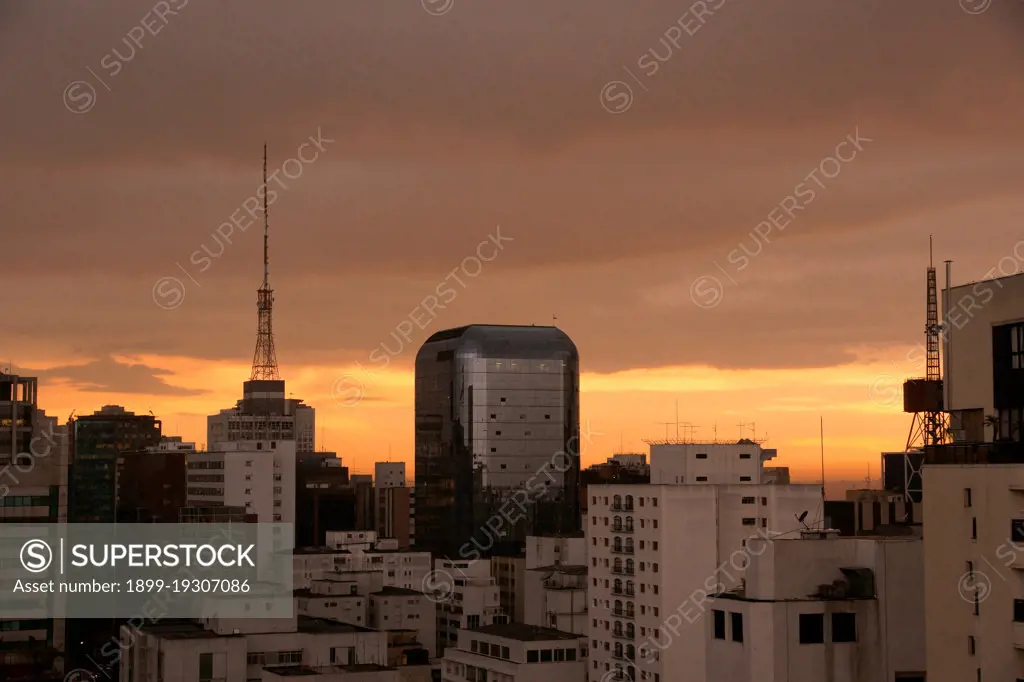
[264, 360]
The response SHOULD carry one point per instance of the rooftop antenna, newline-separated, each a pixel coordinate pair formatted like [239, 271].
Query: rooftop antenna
[822, 457]
[677, 418]
[264, 360]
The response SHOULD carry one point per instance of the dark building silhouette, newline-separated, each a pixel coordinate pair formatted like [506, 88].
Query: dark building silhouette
[497, 437]
[324, 499]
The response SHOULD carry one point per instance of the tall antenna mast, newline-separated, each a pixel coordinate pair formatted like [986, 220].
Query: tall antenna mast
[822, 457]
[264, 360]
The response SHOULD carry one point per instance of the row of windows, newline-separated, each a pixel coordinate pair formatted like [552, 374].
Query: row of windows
[617, 567]
[811, 627]
[628, 525]
[24, 501]
[617, 501]
[704, 479]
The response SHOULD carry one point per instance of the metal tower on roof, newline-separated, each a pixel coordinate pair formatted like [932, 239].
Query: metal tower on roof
[264, 360]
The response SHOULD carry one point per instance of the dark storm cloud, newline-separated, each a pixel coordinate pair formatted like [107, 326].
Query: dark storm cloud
[107, 375]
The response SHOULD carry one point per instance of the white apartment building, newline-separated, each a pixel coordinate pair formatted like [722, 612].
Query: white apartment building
[555, 583]
[677, 463]
[334, 673]
[371, 568]
[298, 423]
[974, 571]
[984, 358]
[396, 608]
[256, 475]
[466, 595]
[818, 608]
[655, 550]
[389, 474]
[516, 653]
[178, 650]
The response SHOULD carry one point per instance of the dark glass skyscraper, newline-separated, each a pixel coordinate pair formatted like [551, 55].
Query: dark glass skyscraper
[497, 437]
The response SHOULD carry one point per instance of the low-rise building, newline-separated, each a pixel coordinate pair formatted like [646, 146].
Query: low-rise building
[179, 650]
[396, 608]
[821, 607]
[514, 652]
[466, 595]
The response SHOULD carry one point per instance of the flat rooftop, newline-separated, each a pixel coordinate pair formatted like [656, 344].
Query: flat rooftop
[389, 591]
[181, 628]
[308, 671]
[325, 625]
[526, 633]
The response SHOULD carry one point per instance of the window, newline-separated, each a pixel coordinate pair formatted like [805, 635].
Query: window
[497, 433]
[749, 521]
[1017, 346]
[737, 627]
[702, 478]
[844, 627]
[967, 497]
[570, 655]
[1017, 530]
[702, 455]
[764, 500]
[205, 667]
[749, 500]
[812, 628]
[744, 455]
[719, 623]
[474, 646]
[532, 656]
[504, 652]
[545, 655]
[744, 478]
[970, 645]
[655, 543]
[974, 528]
[1018, 610]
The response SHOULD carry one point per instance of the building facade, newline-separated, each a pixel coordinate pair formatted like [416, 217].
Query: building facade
[516, 653]
[264, 413]
[678, 463]
[256, 475]
[497, 412]
[659, 550]
[820, 607]
[974, 570]
[984, 359]
[34, 453]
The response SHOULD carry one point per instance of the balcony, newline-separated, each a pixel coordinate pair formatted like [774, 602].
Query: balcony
[627, 635]
[622, 529]
[619, 613]
[622, 550]
[623, 571]
[628, 592]
[617, 506]
[623, 656]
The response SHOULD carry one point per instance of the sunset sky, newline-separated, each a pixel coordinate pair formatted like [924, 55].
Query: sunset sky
[447, 121]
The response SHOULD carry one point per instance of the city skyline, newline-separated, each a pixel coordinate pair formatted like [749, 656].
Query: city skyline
[694, 164]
